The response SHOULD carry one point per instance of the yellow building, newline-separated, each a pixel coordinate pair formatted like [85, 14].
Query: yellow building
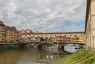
[11, 34]
[90, 24]
[2, 32]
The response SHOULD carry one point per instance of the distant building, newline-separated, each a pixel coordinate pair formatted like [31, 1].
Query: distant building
[11, 34]
[28, 31]
[2, 32]
[25, 31]
[90, 23]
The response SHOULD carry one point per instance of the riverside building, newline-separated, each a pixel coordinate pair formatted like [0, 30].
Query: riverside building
[11, 34]
[2, 32]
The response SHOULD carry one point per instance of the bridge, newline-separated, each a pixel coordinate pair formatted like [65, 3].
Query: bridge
[40, 41]
[46, 38]
[37, 44]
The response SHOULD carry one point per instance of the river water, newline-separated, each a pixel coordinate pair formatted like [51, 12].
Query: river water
[25, 56]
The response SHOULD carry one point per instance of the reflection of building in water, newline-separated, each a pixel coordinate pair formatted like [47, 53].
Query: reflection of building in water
[20, 56]
[2, 32]
[90, 20]
[8, 57]
[78, 37]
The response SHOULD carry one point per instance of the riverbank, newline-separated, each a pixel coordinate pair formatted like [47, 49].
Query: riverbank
[81, 57]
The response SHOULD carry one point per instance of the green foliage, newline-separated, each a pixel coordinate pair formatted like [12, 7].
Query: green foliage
[81, 57]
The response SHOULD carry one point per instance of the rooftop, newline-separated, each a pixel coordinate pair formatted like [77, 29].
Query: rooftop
[58, 33]
[12, 28]
[2, 24]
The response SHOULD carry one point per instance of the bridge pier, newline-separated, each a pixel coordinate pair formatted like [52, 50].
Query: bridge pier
[43, 45]
[21, 45]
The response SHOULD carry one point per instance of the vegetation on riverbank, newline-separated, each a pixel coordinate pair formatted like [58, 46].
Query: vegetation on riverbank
[81, 57]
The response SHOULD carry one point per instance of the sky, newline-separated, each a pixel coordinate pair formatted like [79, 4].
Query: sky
[44, 15]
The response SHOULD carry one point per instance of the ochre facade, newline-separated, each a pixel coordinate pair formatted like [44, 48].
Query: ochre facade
[2, 32]
[11, 34]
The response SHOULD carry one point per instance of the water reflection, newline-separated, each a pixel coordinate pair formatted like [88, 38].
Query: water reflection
[20, 56]
[26, 56]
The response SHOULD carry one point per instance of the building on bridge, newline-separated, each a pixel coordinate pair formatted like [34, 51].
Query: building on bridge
[2, 32]
[11, 34]
[69, 37]
[90, 23]
[25, 39]
[74, 39]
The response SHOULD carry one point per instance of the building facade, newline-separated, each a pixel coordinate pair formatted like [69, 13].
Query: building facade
[90, 27]
[69, 37]
[2, 32]
[11, 34]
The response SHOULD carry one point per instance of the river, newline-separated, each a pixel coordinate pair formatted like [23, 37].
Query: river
[24, 56]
